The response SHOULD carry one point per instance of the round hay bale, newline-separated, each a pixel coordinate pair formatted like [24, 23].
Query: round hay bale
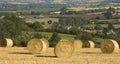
[45, 45]
[89, 44]
[109, 46]
[6, 42]
[77, 45]
[45, 41]
[35, 46]
[64, 49]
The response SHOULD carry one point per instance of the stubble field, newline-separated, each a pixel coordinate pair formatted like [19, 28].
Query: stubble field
[18, 55]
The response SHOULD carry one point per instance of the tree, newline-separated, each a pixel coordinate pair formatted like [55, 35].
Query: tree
[110, 9]
[84, 36]
[63, 10]
[43, 23]
[97, 17]
[108, 15]
[37, 26]
[49, 21]
[37, 35]
[110, 26]
[54, 39]
[12, 25]
[74, 30]
[98, 27]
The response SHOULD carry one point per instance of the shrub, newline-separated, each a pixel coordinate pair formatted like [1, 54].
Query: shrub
[54, 39]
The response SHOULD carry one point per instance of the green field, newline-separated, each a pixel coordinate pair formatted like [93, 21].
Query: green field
[49, 34]
[46, 25]
[40, 10]
[31, 20]
[63, 36]
[108, 20]
[7, 11]
[42, 20]
[103, 25]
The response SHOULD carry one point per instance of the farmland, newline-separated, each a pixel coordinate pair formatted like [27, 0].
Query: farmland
[23, 23]
[32, 20]
[83, 56]
[85, 8]
[46, 25]
[63, 36]
[103, 25]
[41, 20]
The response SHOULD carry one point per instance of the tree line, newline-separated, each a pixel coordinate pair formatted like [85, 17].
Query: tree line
[21, 32]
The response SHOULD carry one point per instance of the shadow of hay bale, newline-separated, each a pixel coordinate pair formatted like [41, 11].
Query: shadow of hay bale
[46, 56]
[20, 53]
[91, 52]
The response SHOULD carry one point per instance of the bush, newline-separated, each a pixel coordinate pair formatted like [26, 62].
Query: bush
[54, 39]
[36, 26]
[37, 35]
[84, 36]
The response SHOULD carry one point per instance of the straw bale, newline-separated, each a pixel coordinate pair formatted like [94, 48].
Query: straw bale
[6, 42]
[35, 46]
[89, 44]
[77, 45]
[109, 46]
[45, 45]
[45, 41]
[64, 49]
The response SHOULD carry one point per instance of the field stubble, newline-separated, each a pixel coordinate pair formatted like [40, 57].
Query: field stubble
[18, 55]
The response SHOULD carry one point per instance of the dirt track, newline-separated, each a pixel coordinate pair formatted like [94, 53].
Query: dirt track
[18, 55]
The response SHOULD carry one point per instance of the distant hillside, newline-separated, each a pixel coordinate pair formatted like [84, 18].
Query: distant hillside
[113, 1]
[52, 1]
[76, 2]
[110, 2]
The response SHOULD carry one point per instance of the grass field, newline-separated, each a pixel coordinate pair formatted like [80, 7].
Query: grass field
[63, 36]
[108, 20]
[40, 10]
[31, 20]
[42, 20]
[103, 25]
[18, 55]
[49, 34]
[7, 11]
[46, 25]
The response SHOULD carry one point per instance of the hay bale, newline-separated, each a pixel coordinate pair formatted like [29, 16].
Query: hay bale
[45, 45]
[64, 49]
[109, 46]
[77, 45]
[35, 46]
[45, 41]
[89, 44]
[6, 42]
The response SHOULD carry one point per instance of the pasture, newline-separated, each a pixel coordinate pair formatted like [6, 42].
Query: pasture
[63, 36]
[31, 20]
[43, 21]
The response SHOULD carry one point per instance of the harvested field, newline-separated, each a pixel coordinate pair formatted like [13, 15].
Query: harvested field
[18, 55]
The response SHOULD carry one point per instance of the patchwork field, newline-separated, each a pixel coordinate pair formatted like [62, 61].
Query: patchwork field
[18, 55]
